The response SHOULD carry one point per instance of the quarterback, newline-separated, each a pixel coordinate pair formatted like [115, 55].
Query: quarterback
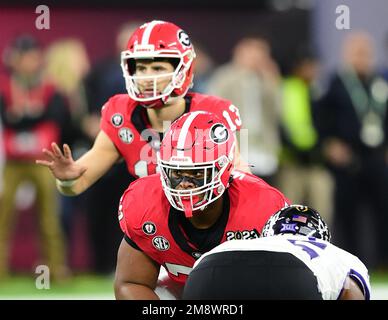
[196, 202]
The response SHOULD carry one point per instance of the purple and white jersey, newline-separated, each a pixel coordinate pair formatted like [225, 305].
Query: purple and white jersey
[330, 264]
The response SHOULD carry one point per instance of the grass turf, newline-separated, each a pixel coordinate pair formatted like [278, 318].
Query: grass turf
[80, 286]
[99, 287]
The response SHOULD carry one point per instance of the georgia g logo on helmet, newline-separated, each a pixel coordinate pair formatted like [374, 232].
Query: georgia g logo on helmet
[219, 133]
[184, 39]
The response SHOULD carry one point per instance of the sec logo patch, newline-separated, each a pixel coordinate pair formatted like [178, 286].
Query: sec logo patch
[161, 243]
[126, 135]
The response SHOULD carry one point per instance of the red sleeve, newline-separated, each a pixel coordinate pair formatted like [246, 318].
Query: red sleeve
[121, 214]
[277, 200]
[283, 201]
[114, 106]
[106, 114]
[128, 209]
[127, 212]
[274, 201]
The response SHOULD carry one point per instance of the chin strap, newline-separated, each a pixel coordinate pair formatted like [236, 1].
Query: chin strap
[156, 104]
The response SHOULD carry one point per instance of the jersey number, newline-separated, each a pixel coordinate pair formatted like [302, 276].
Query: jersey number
[141, 168]
[237, 121]
[312, 252]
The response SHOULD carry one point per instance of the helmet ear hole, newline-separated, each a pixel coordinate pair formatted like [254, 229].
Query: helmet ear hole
[131, 65]
[174, 62]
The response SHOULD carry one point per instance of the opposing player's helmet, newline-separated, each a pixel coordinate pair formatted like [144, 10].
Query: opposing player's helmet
[154, 40]
[198, 143]
[297, 219]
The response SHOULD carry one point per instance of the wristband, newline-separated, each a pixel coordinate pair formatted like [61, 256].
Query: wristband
[65, 183]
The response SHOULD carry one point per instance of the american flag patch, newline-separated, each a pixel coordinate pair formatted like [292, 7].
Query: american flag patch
[299, 218]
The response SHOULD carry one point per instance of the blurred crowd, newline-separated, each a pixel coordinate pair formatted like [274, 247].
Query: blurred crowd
[323, 146]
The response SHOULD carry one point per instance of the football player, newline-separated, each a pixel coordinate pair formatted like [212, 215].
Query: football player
[293, 259]
[158, 69]
[196, 202]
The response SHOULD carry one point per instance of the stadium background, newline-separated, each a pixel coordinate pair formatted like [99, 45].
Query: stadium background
[216, 26]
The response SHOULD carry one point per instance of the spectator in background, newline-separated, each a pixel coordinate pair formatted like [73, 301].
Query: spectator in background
[353, 121]
[104, 81]
[32, 114]
[204, 67]
[302, 175]
[2, 156]
[252, 81]
[67, 64]
[384, 72]
[106, 76]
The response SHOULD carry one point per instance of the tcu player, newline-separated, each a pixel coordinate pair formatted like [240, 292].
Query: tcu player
[299, 264]
[158, 69]
[196, 202]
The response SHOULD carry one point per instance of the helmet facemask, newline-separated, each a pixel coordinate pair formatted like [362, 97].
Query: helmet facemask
[196, 144]
[207, 189]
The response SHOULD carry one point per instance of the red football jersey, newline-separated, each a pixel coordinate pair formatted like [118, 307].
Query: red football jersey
[152, 225]
[126, 124]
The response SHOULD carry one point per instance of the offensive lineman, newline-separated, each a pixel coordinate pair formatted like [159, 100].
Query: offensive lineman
[195, 203]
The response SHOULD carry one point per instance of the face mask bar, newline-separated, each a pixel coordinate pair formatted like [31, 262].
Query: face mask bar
[211, 182]
[195, 205]
[135, 91]
[177, 77]
[198, 182]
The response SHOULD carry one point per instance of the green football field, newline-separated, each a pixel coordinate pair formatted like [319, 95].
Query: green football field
[78, 287]
[89, 287]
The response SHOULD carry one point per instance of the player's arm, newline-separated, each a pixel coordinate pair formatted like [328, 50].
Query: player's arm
[136, 274]
[74, 177]
[351, 291]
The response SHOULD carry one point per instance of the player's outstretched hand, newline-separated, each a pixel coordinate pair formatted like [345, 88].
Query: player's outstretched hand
[62, 164]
